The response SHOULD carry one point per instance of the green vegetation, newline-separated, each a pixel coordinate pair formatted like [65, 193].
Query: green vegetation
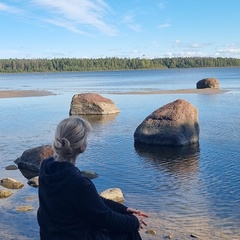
[110, 64]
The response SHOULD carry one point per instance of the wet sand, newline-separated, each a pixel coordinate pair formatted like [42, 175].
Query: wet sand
[24, 93]
[178, 91]
[164, 226]
[177, 227]
[36, 93]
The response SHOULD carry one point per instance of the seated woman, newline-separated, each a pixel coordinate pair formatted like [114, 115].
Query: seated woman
[70, 207]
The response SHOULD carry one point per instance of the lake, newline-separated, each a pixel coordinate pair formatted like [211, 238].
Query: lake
[189, 190]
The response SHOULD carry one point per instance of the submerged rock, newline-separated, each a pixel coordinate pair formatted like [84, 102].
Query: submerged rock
[24, 208]
[5, 193]
[151, 231]
[11, 167]
[11, 183]
[89, 174]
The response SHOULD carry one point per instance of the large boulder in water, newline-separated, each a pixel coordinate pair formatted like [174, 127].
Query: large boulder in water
[92, 104]
[208, 83]
[29, 162]
[174, 124]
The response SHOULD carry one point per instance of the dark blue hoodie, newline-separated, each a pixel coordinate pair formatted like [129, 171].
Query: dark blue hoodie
[70, 207]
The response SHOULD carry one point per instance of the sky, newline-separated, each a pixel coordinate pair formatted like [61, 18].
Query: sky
[119, 28]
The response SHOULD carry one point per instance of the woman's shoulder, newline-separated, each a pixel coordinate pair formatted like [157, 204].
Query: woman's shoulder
[79, 179]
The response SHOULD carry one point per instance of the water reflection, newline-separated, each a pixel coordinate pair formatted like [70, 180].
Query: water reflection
[176, 160]
[99, 119]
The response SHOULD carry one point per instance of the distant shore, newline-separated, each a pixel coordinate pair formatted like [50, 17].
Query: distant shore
[36, 93]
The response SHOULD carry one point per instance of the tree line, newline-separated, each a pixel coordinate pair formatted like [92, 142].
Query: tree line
[110, 64]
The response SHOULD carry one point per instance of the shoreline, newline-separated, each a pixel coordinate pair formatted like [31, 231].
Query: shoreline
[40, 93]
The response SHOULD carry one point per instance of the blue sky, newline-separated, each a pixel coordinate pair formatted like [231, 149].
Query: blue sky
[119, 28]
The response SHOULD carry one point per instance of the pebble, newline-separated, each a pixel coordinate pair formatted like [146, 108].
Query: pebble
[33, 182]
[24, 208]
[11, 167]
[89, 174]
[151, 231]
[194, 236]
[5, 194]
[11, 183]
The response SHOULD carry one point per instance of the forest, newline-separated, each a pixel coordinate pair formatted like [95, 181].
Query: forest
[110, 64]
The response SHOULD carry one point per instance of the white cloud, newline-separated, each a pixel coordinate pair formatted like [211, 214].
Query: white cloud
[177, 41]
[66, 24]
[80, 13]
[9, 9]
[161, 4]
[75, 15]
[185, 54]
[9, 53]
[164, 25]
[128, 18]
[135, 27]
[199, 45]
[129, 21]
[229, 52]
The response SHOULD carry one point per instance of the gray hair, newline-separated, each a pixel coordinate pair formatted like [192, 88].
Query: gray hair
[70, 136]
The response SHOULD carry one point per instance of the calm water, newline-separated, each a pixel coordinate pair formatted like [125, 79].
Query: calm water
[200, 184]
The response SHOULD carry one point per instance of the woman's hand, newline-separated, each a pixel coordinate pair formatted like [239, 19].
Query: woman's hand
[137, 212]
[140, 216]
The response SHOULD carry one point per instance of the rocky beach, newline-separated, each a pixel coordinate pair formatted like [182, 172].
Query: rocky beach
[163, 225]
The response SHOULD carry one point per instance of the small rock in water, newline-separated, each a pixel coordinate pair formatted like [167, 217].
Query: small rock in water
[11, 183]
[11, 167]
[89, 174]
[114, 194]
[5, 194]
[24, 208]
[194, 236]
[33, 182]
[31, 198]
[151, 231]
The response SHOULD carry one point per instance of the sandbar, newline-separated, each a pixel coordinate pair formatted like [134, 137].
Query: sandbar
[177, 91]
[39, 93]
[24, 93]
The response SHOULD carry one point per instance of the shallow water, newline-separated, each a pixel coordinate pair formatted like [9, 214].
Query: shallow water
[188, 190]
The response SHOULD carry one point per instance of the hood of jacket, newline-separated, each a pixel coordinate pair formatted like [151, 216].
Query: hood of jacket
[56, 175]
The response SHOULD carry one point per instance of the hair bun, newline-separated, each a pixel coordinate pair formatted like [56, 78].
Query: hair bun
[62, 145]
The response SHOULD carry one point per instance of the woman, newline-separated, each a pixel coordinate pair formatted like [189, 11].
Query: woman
[69, 205]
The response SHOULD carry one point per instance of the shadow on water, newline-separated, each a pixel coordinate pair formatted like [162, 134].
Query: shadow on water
[175, 160]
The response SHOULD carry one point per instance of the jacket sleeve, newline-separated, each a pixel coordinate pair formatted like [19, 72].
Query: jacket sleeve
[94, 209]
[115, 206]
